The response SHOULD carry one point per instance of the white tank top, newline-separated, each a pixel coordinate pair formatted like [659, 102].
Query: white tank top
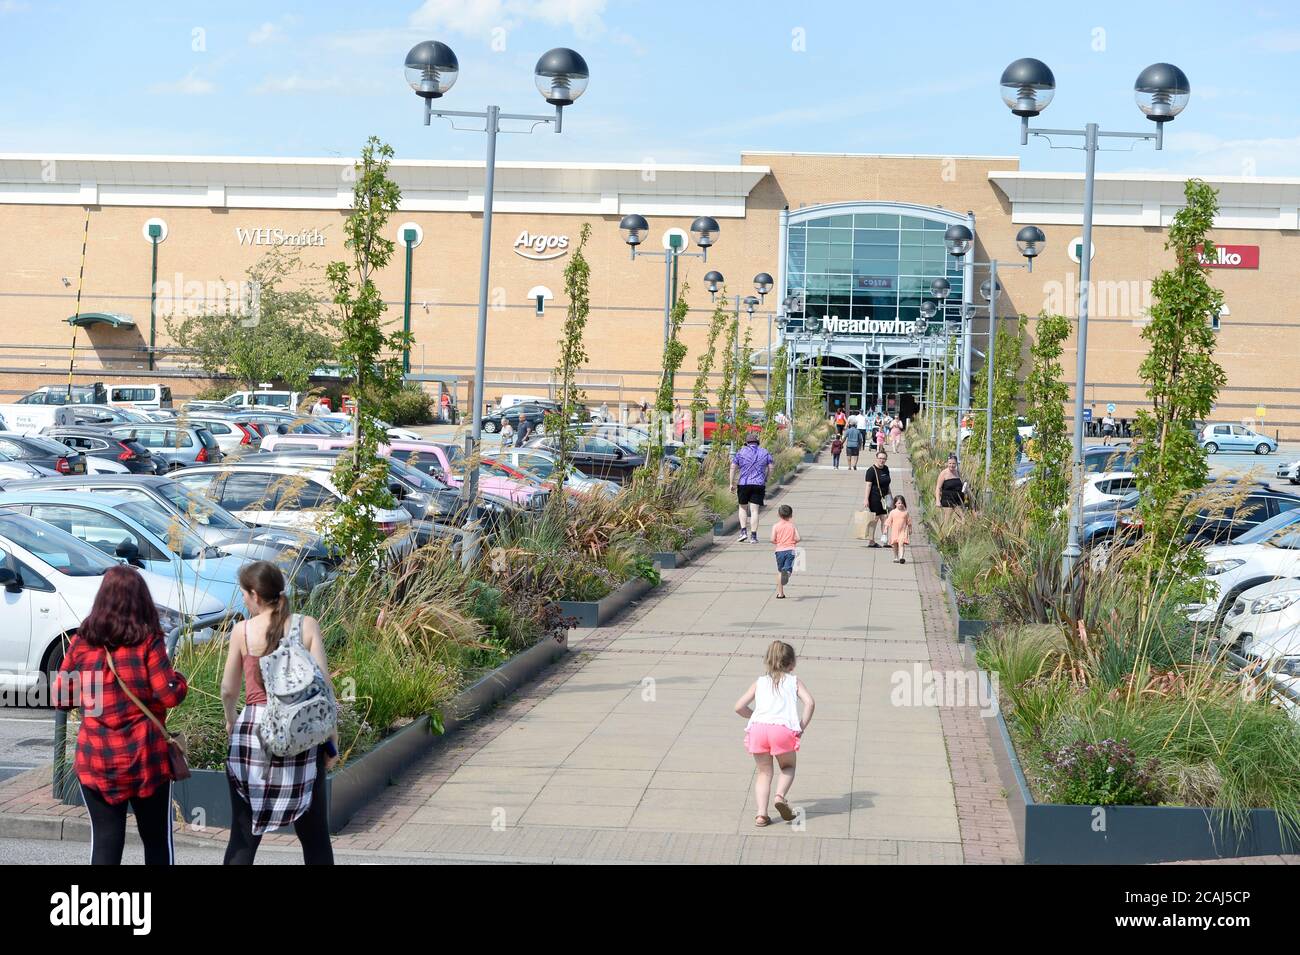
[778, 705]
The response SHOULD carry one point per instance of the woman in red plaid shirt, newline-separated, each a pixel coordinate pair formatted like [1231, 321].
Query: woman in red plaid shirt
[122, 758]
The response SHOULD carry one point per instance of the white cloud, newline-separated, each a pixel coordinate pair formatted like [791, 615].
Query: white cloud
[476, 17]
[13, 6]
[263, 33]
[1208, 154]
[297, 84]
[191, 84]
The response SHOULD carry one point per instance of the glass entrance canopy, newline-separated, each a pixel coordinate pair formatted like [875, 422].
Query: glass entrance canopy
[862, 267]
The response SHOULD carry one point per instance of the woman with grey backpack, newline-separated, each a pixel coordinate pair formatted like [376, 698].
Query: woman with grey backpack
[285, 739]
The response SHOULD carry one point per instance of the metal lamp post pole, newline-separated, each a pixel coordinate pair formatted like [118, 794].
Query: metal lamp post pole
[155, 236]
[990, 370]
[408, 237]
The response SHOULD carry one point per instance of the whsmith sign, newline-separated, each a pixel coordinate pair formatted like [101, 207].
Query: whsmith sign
[867, 326]
[267, 236]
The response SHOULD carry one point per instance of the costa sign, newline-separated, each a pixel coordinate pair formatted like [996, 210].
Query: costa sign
[534, 245]
[1232, 257]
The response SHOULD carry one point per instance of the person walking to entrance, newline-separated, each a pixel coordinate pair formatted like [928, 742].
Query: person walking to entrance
[751, 467]
[896, 436]
[771, 704]
[837, 445]
[878, 499]
[117, 673]
[899, 523]
[853, 439]
[785, 538]
[266, 791]
[1107, 428]
[840, 421]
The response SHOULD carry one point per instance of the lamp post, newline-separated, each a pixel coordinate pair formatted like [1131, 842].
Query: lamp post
[1162, 91]
[561, 76]
[154, 232]
[411, 235]
[705, 229]
[959, 240]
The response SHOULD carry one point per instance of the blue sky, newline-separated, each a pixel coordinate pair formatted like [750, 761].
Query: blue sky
[671, 81]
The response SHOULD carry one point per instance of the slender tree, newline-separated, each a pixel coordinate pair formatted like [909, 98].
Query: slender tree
[704, 368]
[780, 364]
[1183, 382]
[573, 355]
[1046, 395]
[674, 355]
[369, 354]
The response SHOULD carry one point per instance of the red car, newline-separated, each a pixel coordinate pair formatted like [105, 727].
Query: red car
[710, 424]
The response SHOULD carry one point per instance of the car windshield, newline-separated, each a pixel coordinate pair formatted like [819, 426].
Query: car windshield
[1273, 527]
[1287, 541]
[1099, 462]
[198, 508]
[59, 549]
[335, 425]
[414, 476]
[178, 537]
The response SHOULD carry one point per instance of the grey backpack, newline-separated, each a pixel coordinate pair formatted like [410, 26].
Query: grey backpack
[300, 709]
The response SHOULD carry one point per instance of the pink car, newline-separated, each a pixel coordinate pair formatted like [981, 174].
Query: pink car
[425, 456]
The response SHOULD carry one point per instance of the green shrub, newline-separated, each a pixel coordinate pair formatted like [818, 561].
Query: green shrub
[1101, 774]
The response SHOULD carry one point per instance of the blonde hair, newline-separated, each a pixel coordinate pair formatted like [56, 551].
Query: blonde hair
[779, 660]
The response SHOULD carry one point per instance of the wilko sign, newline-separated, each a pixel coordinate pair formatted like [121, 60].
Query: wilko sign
[1232, 257]
[540, 247]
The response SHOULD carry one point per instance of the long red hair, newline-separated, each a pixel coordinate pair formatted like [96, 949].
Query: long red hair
[124, 613]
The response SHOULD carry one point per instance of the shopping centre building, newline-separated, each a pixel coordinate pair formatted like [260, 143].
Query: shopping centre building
[858, 239]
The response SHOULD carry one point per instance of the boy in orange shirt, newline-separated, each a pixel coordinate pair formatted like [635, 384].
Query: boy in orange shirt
[785, 536]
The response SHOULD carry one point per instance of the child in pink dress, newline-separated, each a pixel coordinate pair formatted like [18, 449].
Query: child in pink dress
[899, 526]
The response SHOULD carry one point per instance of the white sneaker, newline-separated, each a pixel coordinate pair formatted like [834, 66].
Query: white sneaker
[744, 537]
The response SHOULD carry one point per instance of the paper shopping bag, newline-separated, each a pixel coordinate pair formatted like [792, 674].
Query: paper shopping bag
[861, 525]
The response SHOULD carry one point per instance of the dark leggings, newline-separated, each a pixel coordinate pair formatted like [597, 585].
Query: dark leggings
[312, 826]
[108, 826]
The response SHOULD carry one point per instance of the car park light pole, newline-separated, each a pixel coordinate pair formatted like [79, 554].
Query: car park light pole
[705, 230]
[1028, 85]
[561, 76]
[959, 241]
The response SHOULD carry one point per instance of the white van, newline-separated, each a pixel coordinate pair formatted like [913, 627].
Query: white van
[245, 400]
[140, 396]
[509, 401]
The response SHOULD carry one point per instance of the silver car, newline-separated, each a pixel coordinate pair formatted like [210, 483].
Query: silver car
[179, 445]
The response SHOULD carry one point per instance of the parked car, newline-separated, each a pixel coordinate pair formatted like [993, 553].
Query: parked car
[62, 395]
[1107, 486]
[442, 462]
[295, 552]
[597, 456]
[708, 424]
[543, 465]
[235, 434]
[50, 580]
[640, 439]
[1097, 460]
[1262, 616]
[42, 452]
[1232, 569]
[136, 534]
[242, 400]
[1290, 472]
[1100, 523]
[1235, 437]
[533, 413]
[97, 443]
[283, 495]
[179, 445]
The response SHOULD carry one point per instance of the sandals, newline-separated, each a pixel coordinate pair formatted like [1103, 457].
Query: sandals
[761, 821]
[784, 809]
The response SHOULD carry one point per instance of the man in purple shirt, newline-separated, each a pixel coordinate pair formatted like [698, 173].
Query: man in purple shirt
[751, 466]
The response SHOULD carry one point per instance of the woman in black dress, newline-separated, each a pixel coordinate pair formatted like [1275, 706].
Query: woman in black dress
[877, 479]
[948, 489]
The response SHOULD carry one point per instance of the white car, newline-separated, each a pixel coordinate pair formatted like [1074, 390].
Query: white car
[1108, 486]
[1268, 613]
[540, 463]
[1290, 472]
[279, 495]
[49, 580]
[1233, 569]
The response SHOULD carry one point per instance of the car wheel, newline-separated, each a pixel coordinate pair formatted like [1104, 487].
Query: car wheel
[1261, 448]
[52, 663]
[1211, 447]
[490, 427]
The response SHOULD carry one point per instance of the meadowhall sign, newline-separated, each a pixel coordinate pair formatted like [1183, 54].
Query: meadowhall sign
[1232, 257]
[268, 236]
[867, 326]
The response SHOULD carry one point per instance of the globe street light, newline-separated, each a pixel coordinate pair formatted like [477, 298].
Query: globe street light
[1162, 92]
[431, 70]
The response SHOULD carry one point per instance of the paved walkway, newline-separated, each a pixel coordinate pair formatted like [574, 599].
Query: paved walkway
[630, 750]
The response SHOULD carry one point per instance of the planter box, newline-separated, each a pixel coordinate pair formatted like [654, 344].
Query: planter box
[598, 613]
[968, 629]
[1054, 834]
[672, 559]
[725, 526]
[205, 796]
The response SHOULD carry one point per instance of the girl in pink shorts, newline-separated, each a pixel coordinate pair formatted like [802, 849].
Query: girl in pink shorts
[772, 706]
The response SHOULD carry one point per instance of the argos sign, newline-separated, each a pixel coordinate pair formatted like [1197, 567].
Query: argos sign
[1232, 257]
[532, 245]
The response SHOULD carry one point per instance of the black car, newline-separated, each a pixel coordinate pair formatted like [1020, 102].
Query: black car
[597, 456]
[1222, 525]
[43, 452]
[100, 444]
[533, 414]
